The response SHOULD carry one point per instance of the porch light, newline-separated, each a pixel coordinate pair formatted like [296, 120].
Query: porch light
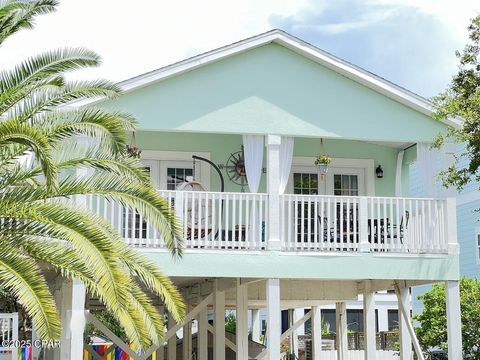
[379, 172]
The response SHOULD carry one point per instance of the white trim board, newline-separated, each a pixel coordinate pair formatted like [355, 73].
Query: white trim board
[300, 47]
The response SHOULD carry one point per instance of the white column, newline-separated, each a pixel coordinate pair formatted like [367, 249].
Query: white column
[274, 326]
[14, 349]
[294, 336]
[342, 334]
[256, 325]
[172, 342]
[273, 186]
[219, 323]
[454, 323]
[73, 319]
[242, 321]
[187, 338]
[202, 338]
[405, 338]
[316, 321]
[369, 322]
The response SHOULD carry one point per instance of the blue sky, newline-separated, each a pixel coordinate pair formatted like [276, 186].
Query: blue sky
[409, 42]
[411, 48]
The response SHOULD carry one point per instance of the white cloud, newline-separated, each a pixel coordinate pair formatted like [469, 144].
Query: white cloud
[135, 37]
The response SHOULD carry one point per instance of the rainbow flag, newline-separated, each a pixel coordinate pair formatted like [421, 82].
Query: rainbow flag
[25, 353]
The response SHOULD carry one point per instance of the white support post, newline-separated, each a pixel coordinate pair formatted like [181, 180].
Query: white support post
[454, 322]
[342, 334]
[273, 319]
[294, 336]
[364, 245]
[219, 322]
[405, 338]
[73, 319]
[273, 187]
[369, 322]
[202, 338]
[187, 338]
[14, 325]
[242, 321]
[316, 322]
[172, 341]
[256, 325]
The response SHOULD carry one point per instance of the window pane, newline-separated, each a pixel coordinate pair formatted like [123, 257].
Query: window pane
[354, 182]
[337, 181]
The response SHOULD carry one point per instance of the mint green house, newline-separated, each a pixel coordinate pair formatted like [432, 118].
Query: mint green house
[283, 233]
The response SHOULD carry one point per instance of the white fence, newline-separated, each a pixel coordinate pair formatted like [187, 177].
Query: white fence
[211, 220]
[8, 334]
[359, 355]
[348, 223]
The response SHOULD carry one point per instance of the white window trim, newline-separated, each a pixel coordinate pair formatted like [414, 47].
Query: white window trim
[368, 165]
[170, 157]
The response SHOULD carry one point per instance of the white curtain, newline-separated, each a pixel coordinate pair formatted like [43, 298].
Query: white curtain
[253, 157]
[286, 156]
[427, 167]
[253, 153]
[398, 173]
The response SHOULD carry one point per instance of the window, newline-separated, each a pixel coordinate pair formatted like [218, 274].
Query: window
[392, 320]
[178, 175]
[305, 183]
[345, 185]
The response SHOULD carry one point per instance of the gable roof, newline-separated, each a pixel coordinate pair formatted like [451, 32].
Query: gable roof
[300, 47]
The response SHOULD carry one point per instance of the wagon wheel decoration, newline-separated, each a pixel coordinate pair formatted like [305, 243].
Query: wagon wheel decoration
[235, 168]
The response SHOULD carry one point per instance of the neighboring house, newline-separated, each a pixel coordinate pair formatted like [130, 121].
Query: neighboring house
[468, 224]
[295, 238]
[468, 204]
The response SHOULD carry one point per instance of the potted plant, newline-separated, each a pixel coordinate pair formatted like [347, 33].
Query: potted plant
[321, 162]
[133, 151]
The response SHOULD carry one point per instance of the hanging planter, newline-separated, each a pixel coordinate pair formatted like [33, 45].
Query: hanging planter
[321, 162]
[133, 150]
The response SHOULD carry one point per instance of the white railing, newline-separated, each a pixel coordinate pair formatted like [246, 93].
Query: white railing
[211, 220]
[348, 223]
[8, 336]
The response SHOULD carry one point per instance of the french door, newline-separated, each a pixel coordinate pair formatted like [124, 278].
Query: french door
[165, 175]
[341, 217]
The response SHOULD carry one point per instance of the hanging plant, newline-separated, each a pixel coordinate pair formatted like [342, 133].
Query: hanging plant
[321, 162]
[133, 150]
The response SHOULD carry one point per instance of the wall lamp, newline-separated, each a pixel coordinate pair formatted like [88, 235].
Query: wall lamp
[379, 172]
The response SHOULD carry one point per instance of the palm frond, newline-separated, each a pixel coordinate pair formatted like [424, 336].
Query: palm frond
[13, 132]
[18, 15]
[23, 278]
[41, 70]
